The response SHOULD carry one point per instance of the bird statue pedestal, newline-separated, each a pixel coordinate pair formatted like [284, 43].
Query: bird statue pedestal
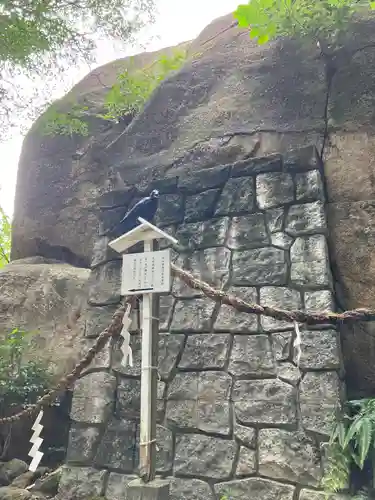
[147, 274]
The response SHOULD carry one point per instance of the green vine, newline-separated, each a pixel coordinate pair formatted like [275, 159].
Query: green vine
[127, 96]
[352, 443]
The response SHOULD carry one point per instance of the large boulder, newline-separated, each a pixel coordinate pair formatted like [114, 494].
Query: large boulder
[232, 99]
[45, 298]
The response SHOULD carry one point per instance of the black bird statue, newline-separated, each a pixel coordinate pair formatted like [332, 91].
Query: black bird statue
[145, 208]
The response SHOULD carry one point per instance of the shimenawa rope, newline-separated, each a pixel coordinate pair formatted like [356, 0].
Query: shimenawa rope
[221, 296]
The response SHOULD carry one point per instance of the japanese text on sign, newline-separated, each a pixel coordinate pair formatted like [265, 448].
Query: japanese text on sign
[148, 272]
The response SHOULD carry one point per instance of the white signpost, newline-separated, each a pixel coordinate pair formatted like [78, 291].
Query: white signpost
[146, 274]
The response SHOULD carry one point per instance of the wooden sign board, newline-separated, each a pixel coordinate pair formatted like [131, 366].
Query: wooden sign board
[148, 272]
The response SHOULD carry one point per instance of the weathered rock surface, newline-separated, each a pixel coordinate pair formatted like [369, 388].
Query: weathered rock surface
[261, 489]
[10, 470]
[288, 456]
[93, 398]
[264, 401]
[80, 483]
[8, 493]
[190, 489]
[204, 456]
[45, 297]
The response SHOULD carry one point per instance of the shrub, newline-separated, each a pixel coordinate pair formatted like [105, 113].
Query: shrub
[21, 382]
[352, 443]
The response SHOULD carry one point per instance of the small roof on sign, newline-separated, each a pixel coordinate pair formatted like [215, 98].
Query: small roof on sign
[144, 232]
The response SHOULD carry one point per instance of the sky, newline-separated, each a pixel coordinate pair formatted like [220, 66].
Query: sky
[177, 21]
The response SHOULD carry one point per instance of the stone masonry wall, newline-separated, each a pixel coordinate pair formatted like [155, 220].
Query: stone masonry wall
[236, 416]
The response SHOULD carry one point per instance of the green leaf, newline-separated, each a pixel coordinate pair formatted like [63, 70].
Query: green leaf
[263, 39]
[364, 439]
[241, 14]
[372, 5]
[352, 431]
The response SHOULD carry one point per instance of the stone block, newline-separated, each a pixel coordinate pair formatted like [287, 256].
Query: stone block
[281, 298]
[320, 350]
[321, 300]
[254, 488]
[206, 234]
[129, 399]
[97, 319]
[248, 231]
[262, 266]
[252, 357]
[275, 219]
[306, 494]
[170, 348]
[201, 206]
[164, 453]
[80, 483]
[157, 489]
[281, 240]
[309, 186]
[210, 265]
[282, 346]
[190, 489]
[319, 400]
[271, 163]
[165, 185]
[193, 315]
[82, 444]
[264, 402]
[205, 351]
[118, 445]
[231, 320]
[194, 181]
[306, 219]
[274, 189]
[301, 159]
[200, 400]
[309, 262]
[117, 486]
[170, 211]
[105, 284]
[15, 493]
[204, 456]
[246, 435]
[116, 198]
[166, 304]
[102, 253]
[246, 465]
[93, 398]
[238, 197]
[287, 372]
[289, 456]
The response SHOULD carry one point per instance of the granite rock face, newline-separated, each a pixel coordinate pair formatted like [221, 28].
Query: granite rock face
[235, 413]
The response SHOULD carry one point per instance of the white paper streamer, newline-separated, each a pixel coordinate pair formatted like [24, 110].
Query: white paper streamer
[297, 343]
[126, 350]
[37, 441]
